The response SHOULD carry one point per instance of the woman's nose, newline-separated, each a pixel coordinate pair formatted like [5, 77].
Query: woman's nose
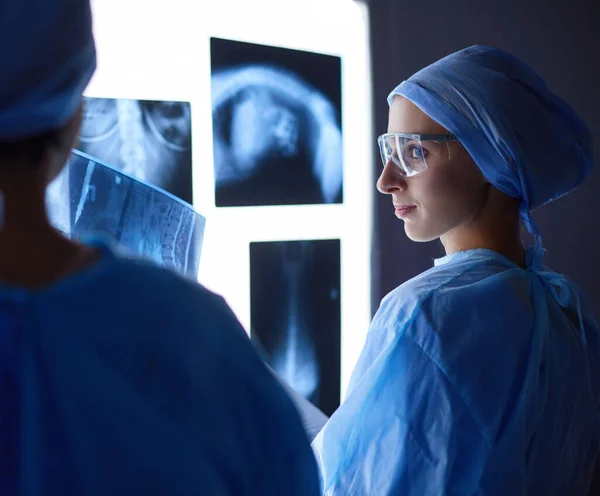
[391, 179]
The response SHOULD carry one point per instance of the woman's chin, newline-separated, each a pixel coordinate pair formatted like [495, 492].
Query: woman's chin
[419, 235]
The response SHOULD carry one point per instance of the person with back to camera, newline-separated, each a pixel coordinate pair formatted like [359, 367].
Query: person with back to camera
[116, 376]
[481, 375]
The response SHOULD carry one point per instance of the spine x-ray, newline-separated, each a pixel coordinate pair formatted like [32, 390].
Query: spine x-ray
[277, 135]
[90, 199]
[148, 140]
[295, 315]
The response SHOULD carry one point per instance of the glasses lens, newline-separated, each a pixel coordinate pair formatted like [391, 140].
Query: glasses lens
[406, 153]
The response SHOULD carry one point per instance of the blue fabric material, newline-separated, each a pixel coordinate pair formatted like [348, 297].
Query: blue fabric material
[48, 60]
[478, 377]
[127, 379]
[527, 142]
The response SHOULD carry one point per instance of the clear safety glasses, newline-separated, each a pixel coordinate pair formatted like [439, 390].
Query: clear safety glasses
[412, 152]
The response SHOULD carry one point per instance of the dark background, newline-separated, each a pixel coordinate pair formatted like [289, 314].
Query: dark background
[561, 40]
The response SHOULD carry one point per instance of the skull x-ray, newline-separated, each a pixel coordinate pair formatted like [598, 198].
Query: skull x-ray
[149, 140]
[295, 315]
[90, 199]
[277, 134]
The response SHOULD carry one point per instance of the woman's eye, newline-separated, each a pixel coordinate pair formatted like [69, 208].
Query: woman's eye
[416, 152]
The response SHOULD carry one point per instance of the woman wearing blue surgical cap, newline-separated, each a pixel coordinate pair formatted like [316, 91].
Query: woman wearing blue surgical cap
[116, 377]
[480, 376]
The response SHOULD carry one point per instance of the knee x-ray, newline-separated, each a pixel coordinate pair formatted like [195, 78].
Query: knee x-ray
[91, 199]
[277, 134]
[149, 140]
[295, 315]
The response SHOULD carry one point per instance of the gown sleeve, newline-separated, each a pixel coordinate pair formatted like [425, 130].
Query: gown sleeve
[402, 429]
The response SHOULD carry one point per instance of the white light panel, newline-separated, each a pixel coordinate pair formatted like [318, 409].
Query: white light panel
[160, 50]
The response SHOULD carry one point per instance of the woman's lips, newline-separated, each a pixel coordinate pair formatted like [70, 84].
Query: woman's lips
[403, 211]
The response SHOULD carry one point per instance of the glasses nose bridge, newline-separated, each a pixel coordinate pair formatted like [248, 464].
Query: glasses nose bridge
[386, 149]
[393, 154]
[381, 143]
[397, 166]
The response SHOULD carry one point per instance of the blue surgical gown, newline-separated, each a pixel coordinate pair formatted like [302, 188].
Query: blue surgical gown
[478, 377]
[127, 379]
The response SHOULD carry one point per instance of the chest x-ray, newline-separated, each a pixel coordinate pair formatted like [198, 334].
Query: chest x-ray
[148, 140]
[91, 199]
[295, 315]
[277, 134]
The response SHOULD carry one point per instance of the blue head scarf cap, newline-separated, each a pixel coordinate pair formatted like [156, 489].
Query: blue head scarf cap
[49, 58]
[526, 141]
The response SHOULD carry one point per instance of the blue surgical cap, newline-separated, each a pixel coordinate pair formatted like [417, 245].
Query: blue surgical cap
[48, 58]
[527, 142]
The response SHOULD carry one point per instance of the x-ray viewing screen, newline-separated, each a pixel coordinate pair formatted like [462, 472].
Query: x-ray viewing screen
[277, 131]
[91, 199]
[295, 314]
[149, 140]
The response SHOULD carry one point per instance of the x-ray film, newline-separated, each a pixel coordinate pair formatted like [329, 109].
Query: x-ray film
[90, 199]
[295, 315]
[149, 140]
[277, 134]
